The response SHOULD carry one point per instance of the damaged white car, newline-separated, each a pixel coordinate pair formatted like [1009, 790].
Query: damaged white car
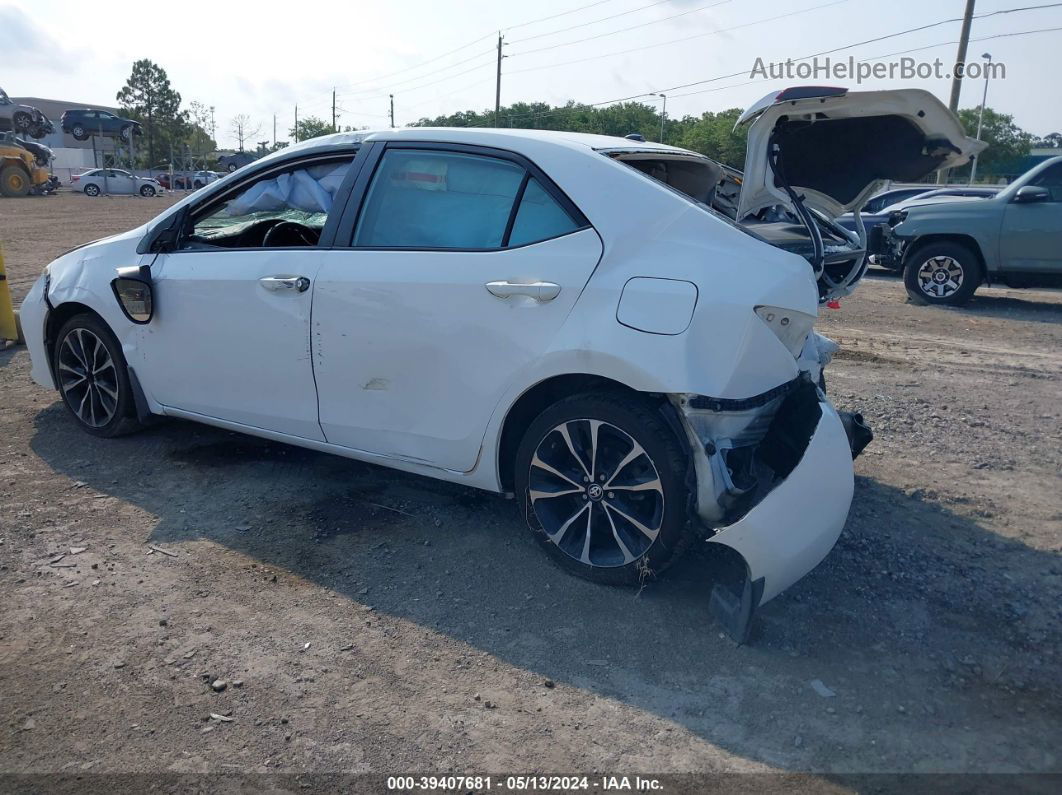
[608, 329]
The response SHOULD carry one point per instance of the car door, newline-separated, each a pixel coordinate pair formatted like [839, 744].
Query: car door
[464, 263]
[231, 336]
[120, 182]
[1031, 234]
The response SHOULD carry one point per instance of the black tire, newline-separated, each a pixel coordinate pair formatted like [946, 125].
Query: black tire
[79, 133]
[123, 419]
[127, 132]
[628, 420]
[944, 273]
[22, 121]
[232, 167]
[14, 182]
[92, 190]
[147, 191]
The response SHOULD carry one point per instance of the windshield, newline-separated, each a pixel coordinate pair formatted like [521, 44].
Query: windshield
[3, 98]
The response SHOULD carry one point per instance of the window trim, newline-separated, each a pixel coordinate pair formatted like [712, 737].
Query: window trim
[213, 201]
[356, 203]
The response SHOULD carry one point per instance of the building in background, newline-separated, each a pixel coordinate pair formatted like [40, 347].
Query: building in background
[73, 156]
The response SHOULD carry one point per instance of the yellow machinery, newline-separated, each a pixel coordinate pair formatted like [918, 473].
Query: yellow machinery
[24, 168]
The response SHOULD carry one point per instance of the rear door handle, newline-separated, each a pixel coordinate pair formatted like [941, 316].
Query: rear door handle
[279, 284]
[540, 291]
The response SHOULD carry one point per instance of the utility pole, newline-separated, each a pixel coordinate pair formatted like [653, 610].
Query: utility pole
[333, 110]
[296, 124]
[392, 111]
[980, 115]
[274, 131]
[497, 85]
[956, 77]
[663, 116]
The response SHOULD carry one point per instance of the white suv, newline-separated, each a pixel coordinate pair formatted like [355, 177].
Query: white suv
[556, 316]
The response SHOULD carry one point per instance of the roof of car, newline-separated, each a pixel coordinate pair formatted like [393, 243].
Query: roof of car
[485, 136]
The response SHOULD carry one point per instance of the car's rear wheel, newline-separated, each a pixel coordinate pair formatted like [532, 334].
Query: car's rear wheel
[232, 167]
[147, 190]
[92, 377]
[945, 273]
[22, 121]
[601, 482]
[14, 182]
[92, 190]
[78, 131]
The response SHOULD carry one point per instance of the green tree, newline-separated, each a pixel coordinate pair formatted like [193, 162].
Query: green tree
[310, 127]
[1007, 144]
[713, 134]
[148, 98]
[200, 138]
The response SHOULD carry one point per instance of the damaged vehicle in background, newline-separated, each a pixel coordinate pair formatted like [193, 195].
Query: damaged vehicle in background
[571, 319]
[23, 120]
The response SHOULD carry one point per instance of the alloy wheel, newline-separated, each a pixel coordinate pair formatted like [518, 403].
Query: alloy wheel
[940, 277]
[88, 377]
[596, 493]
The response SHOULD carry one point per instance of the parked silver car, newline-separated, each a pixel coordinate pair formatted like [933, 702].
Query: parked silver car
[114, 181]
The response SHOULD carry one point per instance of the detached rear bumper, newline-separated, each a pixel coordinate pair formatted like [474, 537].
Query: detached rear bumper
[774, 482]
[796, 525]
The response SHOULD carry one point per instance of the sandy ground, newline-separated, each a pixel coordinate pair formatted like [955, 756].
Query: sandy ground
[370, 621]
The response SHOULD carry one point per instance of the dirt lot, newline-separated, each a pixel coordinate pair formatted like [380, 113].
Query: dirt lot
[366, 620]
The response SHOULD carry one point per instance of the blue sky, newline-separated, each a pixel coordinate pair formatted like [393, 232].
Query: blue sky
[248, 60]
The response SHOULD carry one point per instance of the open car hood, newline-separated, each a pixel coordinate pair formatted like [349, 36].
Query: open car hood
[836, 147]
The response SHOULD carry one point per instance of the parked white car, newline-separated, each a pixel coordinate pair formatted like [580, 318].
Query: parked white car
[555, 316]
[114, 181]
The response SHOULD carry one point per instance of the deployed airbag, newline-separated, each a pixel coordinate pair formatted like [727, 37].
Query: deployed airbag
[310, 190]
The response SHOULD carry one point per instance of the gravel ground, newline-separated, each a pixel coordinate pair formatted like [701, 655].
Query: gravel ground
[364, 620]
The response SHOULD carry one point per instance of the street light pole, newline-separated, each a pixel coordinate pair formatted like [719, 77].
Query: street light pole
[663, 114]
[981, 114]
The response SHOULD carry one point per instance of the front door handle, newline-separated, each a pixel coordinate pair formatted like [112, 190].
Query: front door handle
[278, 284]
[540, 291]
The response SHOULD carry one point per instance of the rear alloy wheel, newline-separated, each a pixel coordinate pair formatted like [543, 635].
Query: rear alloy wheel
[22, 121]
[232, 167]
[92, 377]
[14, 182]
[92, 190]
[601, 481]
[147, 191]
[943, 273]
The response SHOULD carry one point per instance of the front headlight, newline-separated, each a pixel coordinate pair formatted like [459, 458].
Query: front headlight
[789, 326]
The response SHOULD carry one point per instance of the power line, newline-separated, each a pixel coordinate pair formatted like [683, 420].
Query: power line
[592, 22]
[808, 57]
[554, 16]
[634, 27]
[674, 41]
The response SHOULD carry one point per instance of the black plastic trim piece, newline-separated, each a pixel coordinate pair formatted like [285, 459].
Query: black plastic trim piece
[143, 413]
[743, 404]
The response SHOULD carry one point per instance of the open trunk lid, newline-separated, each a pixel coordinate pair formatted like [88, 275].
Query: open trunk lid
[835, 148]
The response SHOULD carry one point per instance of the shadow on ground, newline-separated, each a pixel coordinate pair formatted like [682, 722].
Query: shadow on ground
[923, 622]
[1026, 305]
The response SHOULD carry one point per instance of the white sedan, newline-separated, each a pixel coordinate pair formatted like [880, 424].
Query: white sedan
[114, 181]
[563, 318]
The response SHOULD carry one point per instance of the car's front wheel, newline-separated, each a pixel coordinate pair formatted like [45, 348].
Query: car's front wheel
[945, 273]
[78, 132]
[92, 377]
[600, 479]
[22, 121]
[232, 167]
[147, 191]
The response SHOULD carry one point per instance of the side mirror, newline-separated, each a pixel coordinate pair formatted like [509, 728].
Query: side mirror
[1032, 193]
[132, 288]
